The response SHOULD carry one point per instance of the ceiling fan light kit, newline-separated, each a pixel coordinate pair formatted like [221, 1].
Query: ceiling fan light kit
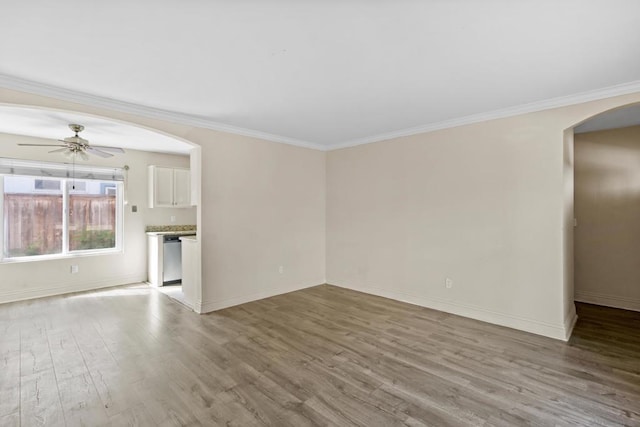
[72, 154]
[75, 146]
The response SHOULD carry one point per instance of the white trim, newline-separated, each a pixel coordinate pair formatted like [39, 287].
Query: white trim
[58, 170]
[59, 256]
[29, 86]
[208, 306]
[198, 307]
[570, 322]
[532, 107]
[65, 288]
[546, 329]
[608, 300]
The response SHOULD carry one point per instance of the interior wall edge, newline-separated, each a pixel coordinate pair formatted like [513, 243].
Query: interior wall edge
[570, 321]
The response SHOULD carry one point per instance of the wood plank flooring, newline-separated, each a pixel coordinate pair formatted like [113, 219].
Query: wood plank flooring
[320, 356]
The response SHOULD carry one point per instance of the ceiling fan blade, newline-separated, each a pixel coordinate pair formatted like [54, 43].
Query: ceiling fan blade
[74, 140]
[42, 145]
[99, 153]
[59, 150]
[107, 148]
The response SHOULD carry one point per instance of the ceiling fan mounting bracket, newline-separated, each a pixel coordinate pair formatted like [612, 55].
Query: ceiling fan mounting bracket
[76, 128]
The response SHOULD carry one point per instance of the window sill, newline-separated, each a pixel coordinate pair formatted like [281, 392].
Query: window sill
[53, 257]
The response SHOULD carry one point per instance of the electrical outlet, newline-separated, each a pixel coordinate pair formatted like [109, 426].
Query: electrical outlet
[74, 269]
[448, 283]
[173, 218]
[281, 269]
[134, 208]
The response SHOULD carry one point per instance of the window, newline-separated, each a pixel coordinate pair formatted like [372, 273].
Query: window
[46, 184]
[92, 217]
[78, 186]
[32, 218]
[59, 216]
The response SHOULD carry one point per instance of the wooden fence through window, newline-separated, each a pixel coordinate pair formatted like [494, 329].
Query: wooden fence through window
[34, 222]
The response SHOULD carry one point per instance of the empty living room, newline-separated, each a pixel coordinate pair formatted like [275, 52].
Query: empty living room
[319, 213]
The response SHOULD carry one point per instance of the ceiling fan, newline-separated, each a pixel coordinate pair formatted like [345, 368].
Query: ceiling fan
[76, 146]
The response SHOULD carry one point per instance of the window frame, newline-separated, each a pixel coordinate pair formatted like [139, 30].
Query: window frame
[65, 253]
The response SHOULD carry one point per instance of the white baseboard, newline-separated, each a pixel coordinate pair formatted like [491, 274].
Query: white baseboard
[209, 306]
[570, 322]
[559, 332]
[65, 288]
[197, 307]
[615, 301]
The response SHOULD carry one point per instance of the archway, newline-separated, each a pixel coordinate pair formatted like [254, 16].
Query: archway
[35, 121]
[600, 194]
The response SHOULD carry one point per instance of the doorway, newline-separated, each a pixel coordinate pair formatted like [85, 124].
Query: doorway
[607, 209]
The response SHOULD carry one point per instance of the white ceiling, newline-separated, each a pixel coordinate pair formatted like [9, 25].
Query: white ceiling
[53, 125]
[323, 73]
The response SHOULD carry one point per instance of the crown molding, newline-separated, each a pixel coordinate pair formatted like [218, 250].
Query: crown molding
[35, 88]
[563, 101]
[19, 84]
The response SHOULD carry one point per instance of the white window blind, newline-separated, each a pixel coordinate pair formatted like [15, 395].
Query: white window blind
[59, 170]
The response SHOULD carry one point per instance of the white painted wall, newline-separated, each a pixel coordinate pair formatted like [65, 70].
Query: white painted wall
[607, 239]
[263, 207]
[20, 280]
[483, 204]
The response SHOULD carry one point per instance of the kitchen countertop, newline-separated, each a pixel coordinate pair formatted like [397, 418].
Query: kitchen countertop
[172, 227]
[172, 233]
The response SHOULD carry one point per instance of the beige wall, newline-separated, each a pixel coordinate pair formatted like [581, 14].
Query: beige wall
[607, 239]
[263, 206]
[20, 280]
[482, 204]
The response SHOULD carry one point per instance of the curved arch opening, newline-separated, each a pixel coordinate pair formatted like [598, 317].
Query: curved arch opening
[602, 210]
[144, 145]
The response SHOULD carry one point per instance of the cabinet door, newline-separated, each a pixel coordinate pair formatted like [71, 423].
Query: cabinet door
[163, 187]
[181, 187]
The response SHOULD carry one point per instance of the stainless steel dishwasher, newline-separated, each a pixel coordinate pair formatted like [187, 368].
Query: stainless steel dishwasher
[172, 260]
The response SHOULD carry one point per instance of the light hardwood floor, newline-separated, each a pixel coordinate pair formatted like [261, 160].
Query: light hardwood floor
[320, 356]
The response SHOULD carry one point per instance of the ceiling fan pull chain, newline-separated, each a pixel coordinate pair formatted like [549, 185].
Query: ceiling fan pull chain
[73, 173]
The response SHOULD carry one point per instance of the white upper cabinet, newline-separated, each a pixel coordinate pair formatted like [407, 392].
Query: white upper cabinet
[182, 187]
[169, 187]
[161, 187]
